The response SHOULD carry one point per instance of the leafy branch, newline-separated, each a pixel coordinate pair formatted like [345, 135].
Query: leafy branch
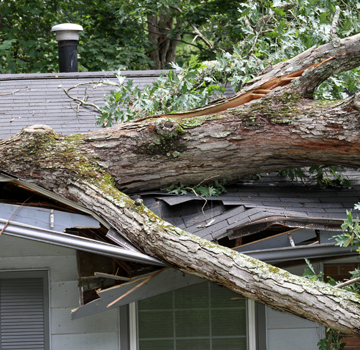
[212, 189]
[325, 176]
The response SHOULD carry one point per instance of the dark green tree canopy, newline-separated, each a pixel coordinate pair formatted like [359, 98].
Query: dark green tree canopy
[142, 34]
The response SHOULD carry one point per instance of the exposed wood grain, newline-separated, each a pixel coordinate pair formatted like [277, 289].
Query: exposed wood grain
[240, 98]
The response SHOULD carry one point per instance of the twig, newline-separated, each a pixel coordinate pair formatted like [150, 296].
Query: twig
[333, 36]
[197, 31]
[264, 20]
[196, 194]
[354, 280]
[10, 93]
[7, 223]
[83, 102]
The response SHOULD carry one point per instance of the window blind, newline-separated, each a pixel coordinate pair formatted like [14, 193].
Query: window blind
[22, 314]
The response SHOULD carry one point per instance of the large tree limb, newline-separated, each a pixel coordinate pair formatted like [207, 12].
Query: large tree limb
[65, 166]
[280, 130]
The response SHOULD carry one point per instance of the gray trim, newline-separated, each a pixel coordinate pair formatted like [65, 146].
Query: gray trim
[44, 275]
[81, 75]
[279, 240]
[75, 242]
[40, 217]
[124, 327]
[278, 255]
[291, 222]
[9, 178]
[120, 240]
[63, 200]
[260, 320]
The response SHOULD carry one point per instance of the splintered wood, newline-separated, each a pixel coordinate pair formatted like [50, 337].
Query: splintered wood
[237, 100]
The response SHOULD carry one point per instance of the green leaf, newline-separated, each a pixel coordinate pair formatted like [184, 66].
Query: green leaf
[343, 240]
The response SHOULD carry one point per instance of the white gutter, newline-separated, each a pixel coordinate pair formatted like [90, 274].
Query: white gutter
[75, 242]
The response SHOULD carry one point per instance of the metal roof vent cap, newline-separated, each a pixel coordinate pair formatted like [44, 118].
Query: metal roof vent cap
[67, 35]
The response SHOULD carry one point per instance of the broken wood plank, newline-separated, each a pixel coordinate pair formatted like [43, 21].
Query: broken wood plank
[113, 277]
[139, 285]
[169, 280]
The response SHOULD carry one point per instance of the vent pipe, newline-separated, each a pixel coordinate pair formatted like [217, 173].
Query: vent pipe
[67, 35]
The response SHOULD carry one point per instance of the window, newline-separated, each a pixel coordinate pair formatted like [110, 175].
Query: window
[204, 316]
[24, 306]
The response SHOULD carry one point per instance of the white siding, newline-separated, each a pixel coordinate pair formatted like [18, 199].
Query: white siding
[91, 333]
[286, 331]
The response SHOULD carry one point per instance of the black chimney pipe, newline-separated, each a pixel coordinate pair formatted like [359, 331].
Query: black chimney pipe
[67, 35]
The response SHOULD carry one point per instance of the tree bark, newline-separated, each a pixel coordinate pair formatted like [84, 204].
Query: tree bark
[163, 47]
[282, 129]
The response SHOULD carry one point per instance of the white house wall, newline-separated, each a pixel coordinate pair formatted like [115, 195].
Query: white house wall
[96, 332]
[286, 331]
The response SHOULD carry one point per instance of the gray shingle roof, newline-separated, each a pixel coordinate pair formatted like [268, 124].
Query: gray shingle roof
[252, 202]
[28, 99]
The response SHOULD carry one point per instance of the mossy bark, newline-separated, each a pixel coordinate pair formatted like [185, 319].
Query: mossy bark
[267, 135]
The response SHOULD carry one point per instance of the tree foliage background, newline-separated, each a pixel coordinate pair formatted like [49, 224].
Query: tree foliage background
[119, 33]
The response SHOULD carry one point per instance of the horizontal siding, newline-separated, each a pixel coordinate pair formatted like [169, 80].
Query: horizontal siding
[93, 341]
[64, 294]
[100, 323]
[281, 320]
[293, 339]
[62, 268]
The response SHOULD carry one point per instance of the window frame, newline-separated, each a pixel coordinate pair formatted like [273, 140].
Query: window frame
[44, 275]
[252, 333]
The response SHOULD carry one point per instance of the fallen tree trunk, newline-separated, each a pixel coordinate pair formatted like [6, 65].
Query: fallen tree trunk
[282, 129]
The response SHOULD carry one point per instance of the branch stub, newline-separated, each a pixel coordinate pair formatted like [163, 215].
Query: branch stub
[168, 128]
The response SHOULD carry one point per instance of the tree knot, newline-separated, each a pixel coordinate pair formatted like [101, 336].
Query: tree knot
[139, 202]
[168, 128]
[38, 129]
[356, 101]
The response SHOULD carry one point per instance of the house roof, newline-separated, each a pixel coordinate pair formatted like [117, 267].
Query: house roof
[251, 206]
[272, 218]
[29, 99]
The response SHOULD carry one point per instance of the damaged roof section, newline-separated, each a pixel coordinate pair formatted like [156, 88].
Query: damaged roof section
[236, 219]
[31, 212]
[253, 211]
[252, 206]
